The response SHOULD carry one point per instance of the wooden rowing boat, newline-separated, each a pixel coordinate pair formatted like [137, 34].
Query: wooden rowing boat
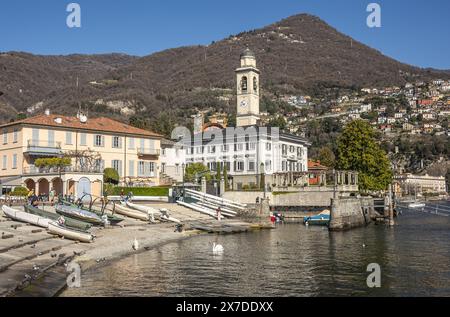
[70, 222]
[26, 217]
[69, 233]
[112, 219]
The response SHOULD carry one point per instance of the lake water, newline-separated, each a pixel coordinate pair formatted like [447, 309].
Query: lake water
[292, 260]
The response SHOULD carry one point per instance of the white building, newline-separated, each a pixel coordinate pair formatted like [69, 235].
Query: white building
[250, 149]
[173, 158]
[409, 183]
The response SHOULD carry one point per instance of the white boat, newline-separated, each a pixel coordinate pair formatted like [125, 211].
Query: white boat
[72, 234]
[145, 209]
[165, 216]
[416, 205]
[26, 217]
[135, 214]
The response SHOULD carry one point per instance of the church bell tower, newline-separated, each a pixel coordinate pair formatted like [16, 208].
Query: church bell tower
[248, 91]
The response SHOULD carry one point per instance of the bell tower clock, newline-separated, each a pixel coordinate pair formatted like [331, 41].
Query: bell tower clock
[248, 91]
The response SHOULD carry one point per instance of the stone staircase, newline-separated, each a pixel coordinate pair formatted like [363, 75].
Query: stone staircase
[166, 180]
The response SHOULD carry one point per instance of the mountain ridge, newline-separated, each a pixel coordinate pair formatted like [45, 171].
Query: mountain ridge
[297, 55]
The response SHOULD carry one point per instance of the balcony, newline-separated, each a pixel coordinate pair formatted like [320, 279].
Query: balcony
[33, 170]
[43, 148]
[148, 152]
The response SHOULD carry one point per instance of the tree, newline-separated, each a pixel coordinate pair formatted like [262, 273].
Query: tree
[194, 172]
[326, 157]
[359, 151]
[111, 176]
[225, 176]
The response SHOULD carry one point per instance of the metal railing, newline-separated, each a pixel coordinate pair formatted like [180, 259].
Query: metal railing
[31, 170]
[44, 144]
[148, 151]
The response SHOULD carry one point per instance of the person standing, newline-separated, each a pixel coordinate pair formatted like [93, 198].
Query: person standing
[219, 214]
[51, 196]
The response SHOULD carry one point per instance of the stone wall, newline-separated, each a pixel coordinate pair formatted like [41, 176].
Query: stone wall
[350, 212]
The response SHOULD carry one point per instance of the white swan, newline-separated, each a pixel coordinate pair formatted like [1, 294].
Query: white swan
[135, 245]
[217, 248]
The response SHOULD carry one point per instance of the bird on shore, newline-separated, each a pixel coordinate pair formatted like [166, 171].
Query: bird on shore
[217, 249]
[135, 245]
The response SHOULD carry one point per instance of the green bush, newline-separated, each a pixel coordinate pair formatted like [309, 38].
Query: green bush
[20, 192]
[140, 191]
[111, 176]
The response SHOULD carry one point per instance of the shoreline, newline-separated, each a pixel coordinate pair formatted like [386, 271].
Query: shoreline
[33, 263]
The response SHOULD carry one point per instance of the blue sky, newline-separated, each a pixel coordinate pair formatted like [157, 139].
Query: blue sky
[414, 31]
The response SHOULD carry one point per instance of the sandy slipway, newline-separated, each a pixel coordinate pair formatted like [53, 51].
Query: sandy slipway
[33, 262]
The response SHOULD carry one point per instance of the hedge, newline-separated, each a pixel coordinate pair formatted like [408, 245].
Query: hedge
[19, 192]
[140, 191]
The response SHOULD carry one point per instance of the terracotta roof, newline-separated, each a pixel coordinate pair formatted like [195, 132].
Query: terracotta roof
[101, 124]
[316, 165]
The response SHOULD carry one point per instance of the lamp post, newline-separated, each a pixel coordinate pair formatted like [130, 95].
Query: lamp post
[183, 167]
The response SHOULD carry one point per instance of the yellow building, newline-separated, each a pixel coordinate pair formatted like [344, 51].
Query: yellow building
[93, 144]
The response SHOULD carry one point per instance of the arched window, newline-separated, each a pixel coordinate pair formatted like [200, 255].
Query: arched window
[255, 84]
[244, 84]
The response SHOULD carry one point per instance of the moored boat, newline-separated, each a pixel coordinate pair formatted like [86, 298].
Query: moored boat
[79, 214]
[322, 219]
[112, 219]
[73, 223]
[416, 205]
[69, 233]
[26, 217]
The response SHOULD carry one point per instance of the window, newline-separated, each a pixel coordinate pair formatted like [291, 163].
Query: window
[16, 135]
[244, 84]
[292, 149]
[131, 169]
[14, 165]
[268, 165]
[100, 164]
[99, 140]
[5, 136]
[268, 146]
[69, 138]
[199, 150]
[251, 166]
[211, 149]
[255, 85]
[141, 168]
[284, 149]
[238, 147]
[146, 169]
[116, 142]
[117, 165]
[5, 162]
[83, 138]
[283, 166]
[163, 152]
[35, 140]
[225, 148]
[238, 166]
[131, 144]
[299, 152]
[252, 146]
[51, 138]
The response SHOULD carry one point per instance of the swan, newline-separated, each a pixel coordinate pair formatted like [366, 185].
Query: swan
[135, 245]
[217, 248]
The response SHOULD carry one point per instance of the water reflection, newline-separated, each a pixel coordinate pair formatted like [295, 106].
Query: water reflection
[291, 261]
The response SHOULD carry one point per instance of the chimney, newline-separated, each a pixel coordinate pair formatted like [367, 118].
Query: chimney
[47, 112]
